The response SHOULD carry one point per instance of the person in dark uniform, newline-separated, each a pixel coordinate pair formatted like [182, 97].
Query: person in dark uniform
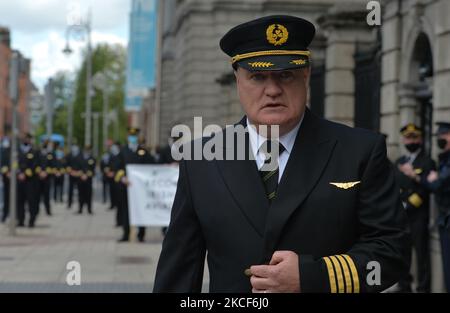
[59, 173]
[86, 170]
[27, 182]
[416, 201]
[132, 153]
[6, 172]
[114, 167]
[45, 171]
[309, 210]
[439, 183]
[72, 172]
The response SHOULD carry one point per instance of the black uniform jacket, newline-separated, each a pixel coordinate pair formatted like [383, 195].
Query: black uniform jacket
[337, 207]
[412, 193]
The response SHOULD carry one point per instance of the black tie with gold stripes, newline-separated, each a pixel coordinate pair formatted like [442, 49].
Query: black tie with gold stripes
[270, 177]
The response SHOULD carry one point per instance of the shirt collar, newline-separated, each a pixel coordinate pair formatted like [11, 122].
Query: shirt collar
[287, 140]
[413, 156]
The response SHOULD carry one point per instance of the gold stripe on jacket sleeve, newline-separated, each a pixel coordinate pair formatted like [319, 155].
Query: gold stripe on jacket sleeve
[354, 273]
[340, 278]
[345, 268]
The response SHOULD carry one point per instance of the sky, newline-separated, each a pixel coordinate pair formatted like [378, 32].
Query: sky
[38, 30]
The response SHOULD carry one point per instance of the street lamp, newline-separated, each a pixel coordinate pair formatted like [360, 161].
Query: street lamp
[100, 81]
[86, 27]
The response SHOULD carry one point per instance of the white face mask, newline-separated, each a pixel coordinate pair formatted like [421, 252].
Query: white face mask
[25, 147]
[133, 146]
[115, 149]
[75, 150]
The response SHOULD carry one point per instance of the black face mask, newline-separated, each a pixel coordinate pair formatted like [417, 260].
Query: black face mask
[442, 143]
[413, 147]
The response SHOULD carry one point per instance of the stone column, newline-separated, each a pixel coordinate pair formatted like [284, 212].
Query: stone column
[390, 77]
[343, 30]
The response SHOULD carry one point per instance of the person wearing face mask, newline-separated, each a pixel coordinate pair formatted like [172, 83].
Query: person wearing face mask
[45, 171]
[86, 174]
[105, 163]
[132, 153]
[59, 173]
[5, 168]
[416, 201]
[72, 172]
[27, 182]
[439, 183]
[114, 167]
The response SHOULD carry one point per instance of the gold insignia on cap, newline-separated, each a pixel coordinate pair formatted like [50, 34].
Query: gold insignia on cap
[260, 64]
[298, 62]
[277, 34]
[346, 185]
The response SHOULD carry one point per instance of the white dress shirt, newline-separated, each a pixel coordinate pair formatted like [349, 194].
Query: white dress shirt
[287, 140]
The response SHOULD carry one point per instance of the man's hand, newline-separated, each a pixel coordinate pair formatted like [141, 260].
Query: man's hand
[125, 181]
[21, 176]
[281, 275]
[433, 176]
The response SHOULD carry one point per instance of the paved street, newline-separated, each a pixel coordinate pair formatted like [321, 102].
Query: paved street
[35, 260]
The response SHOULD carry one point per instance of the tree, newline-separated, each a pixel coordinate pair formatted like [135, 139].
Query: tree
[110, 59]
[63, 83]
[107, 59]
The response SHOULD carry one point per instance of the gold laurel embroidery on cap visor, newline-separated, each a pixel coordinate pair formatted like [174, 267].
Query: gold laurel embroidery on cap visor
[260, 64]
[346, 185]
[298, 62]
[239, 57]
[277, 34]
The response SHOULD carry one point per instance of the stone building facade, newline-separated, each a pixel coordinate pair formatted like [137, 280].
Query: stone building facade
[416, 79]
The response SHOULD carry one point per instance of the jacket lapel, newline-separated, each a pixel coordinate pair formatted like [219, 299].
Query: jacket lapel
[245, 185]
[309, 157]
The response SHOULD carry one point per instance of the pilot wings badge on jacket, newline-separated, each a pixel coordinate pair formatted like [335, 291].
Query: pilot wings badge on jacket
[346, 185]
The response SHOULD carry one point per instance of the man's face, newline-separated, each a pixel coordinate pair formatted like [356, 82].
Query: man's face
[273, 97]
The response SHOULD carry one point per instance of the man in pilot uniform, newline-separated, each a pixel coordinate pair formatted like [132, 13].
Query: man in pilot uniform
[27, 182]
[328, 210]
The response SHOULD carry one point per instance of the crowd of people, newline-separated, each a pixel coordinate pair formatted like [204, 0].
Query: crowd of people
[44, 169]
[418, 177]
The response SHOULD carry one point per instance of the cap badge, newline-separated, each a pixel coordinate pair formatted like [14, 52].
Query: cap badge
[277, 34]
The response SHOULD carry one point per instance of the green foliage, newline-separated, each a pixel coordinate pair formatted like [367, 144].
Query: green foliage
[110, 59]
